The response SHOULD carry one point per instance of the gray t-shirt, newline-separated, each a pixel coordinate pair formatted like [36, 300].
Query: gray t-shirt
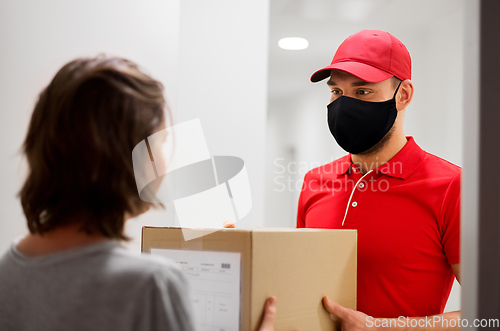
[97, 287]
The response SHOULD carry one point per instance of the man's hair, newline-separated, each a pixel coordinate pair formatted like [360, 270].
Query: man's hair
[79, 145]
[395, 81]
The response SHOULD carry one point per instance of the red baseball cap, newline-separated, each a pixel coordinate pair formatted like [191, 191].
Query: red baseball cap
[371, 55]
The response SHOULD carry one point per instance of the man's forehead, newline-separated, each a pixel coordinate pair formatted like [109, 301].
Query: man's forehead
[341, 77]
[355, 82]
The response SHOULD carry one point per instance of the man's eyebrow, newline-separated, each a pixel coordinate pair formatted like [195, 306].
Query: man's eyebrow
[361, 83]
[356, 83]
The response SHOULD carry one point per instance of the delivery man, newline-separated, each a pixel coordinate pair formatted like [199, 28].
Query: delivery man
[403, 201]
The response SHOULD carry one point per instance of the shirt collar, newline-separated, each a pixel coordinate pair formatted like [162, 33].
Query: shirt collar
[345, 165]
[402, 165]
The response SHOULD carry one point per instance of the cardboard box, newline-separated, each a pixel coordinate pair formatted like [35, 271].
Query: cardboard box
[297, 266]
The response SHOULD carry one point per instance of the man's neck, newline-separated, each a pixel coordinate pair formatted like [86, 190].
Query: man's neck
[369, 162]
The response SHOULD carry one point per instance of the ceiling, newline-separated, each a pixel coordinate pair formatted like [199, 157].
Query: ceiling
[326, 23]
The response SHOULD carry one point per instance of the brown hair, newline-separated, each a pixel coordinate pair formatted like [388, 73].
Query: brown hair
[79, 145]
[395, 81]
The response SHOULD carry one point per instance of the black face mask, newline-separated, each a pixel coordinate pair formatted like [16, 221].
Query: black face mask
[358, 125]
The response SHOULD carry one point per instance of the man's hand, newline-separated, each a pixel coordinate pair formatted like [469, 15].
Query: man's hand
[228, 224]
[350, 320]
[269, 312]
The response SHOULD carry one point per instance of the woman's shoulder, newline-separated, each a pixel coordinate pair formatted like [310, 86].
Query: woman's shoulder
[126, 262]
[145, 275]
[106, 263]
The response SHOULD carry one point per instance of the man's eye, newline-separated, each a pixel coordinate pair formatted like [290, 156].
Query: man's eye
[335, 92]
[363, 92]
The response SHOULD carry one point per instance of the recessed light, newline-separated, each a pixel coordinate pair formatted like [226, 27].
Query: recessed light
[293, 43]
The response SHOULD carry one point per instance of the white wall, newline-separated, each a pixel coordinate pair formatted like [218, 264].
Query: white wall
[38, 37]
[221, 77]
[223, 81]
[435, 116]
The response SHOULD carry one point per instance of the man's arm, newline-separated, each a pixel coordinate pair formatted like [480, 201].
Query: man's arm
[352, 320]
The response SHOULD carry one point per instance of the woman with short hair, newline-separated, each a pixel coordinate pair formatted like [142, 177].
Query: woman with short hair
[70, 272]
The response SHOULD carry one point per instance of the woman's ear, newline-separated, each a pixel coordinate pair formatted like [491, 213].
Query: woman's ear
[404, 95]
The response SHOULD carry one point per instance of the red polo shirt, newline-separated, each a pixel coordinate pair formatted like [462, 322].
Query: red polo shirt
[407, 213]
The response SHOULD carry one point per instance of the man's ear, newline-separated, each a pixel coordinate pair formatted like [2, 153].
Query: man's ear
[404, 95]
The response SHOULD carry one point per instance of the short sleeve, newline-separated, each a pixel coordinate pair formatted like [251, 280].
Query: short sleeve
[450, 221]
[166, 303]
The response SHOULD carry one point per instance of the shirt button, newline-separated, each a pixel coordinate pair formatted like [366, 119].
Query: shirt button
[361, 185]
[354, 204]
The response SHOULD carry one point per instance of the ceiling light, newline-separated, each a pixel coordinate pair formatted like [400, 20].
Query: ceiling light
[293, 43]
